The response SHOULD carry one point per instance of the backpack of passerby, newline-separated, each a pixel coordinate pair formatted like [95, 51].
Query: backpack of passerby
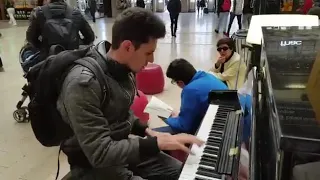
[59, 31]
[140, 3]
[57, 23]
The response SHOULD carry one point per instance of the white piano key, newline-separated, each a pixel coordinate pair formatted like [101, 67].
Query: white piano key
[192, 163]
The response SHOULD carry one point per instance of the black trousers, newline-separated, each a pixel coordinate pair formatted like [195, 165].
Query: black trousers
[232, 16]
[93, 13]
[160, 167]
[174, 23]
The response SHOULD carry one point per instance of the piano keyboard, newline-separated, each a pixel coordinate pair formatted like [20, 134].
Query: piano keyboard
[202, 163]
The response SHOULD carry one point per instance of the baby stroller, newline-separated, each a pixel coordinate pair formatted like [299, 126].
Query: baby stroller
[28, 57]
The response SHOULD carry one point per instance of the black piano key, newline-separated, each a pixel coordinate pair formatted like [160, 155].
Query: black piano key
[212, 150]
[213, 139]
[221, 126]
[221, 121]
[218, 128]
[207, 172]
[209, 158]
[215, 134]
[221, 116]
[208, 163]
[200, 178]
[209, 151]
[212, 143]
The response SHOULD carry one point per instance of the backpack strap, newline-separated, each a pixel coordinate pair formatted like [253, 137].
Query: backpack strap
[46, 11]
[93, 66]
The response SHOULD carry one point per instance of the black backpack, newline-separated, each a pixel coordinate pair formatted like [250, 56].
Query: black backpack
[59, 29]
[45, 80]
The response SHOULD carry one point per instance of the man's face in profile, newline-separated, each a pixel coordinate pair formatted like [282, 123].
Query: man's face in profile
[138, 58]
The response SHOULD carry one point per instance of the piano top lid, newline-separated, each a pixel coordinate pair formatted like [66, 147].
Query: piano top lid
[254, 35]
[293, 67]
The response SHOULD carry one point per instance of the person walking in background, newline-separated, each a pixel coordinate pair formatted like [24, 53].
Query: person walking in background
[247, 13]
[11, 11]
[174, 8]
[93, 9]
[122, 5]
[200, 5]
[223, 13]
[140, 3]
[235, 11]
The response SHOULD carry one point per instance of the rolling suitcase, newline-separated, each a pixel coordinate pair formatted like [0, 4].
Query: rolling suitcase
[206, 10]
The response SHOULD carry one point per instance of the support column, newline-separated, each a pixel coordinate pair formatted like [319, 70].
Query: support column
[2, 9]
[115, 10]
[184, 6]
[107, 5]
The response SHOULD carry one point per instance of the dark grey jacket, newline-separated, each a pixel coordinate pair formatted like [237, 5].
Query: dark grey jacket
[101, 131]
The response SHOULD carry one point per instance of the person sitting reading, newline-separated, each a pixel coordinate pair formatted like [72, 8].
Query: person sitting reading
[229, 67]
[196, 86]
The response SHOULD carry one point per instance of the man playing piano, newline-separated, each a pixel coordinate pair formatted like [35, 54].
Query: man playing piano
[196, 86]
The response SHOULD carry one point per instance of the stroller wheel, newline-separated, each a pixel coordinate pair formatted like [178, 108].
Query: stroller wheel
[21, 115]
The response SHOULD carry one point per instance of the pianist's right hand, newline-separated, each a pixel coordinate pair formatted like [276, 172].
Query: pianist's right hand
[170, 142]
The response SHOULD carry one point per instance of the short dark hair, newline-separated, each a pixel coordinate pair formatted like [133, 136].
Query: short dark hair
[181, 70]
[227, 41]
[137, 25]
[314, 11]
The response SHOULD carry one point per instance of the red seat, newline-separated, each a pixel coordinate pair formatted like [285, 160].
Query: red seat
[150, 80]
[138, 106]
[179, 155]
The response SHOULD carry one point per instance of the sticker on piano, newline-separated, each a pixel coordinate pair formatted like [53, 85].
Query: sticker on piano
[239, 111]
[233, 151]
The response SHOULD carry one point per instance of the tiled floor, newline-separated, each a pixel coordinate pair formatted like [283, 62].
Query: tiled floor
[21, 156]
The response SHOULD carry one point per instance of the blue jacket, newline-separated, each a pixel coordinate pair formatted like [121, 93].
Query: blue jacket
[194, 102]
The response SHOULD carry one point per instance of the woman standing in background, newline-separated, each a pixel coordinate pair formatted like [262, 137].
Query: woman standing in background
[11, 12]
[235, 11]
[223, 13]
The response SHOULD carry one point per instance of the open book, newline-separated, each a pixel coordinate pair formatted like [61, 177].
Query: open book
[158, 108]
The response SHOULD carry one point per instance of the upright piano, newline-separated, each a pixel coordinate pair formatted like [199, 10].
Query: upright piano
[221, 129]
[289, 132]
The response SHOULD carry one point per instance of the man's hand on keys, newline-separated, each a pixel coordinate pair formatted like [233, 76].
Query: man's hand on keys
[169, 142]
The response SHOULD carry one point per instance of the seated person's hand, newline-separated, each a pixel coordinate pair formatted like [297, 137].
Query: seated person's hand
[221, 60]
[174, 114]
[177, 142]
[153, 133]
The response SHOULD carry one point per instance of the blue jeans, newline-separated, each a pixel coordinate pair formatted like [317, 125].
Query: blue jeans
[246, 105]
[165, 129]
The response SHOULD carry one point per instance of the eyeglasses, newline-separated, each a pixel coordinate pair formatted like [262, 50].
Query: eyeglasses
[222, 48]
